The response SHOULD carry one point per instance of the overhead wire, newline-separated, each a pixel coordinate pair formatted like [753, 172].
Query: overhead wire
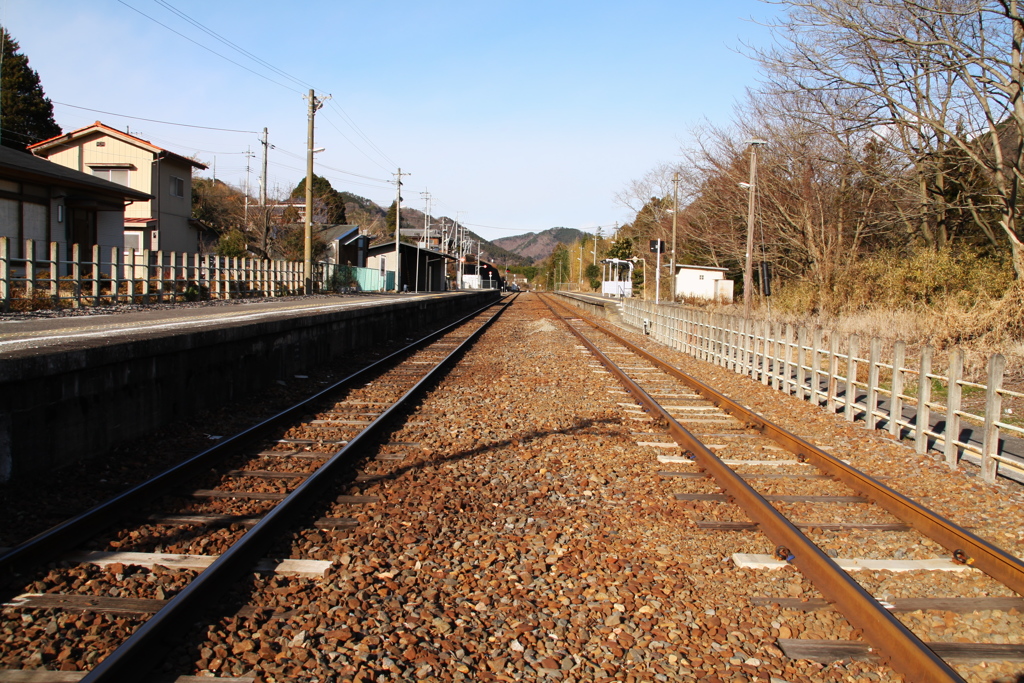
[357, 147]
[348, 119]
[230, 44]
[210, 50]
[168, 123]
[344, 115]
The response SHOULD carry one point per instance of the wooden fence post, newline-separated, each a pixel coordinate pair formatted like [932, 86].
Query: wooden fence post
[874, 358]
[704, 332]
[115, 275]
[816, 344]
[76, 276]
[993, 411]
[757, 341]
[734, 340]
[852, 349]
[952, 433]
[55, 274]
[30, 269]
[833, 372]
[899, 357]
[788, 381]
[801, 363]
[5, 274]
[924, 398]
[776, 356]
[97, 275]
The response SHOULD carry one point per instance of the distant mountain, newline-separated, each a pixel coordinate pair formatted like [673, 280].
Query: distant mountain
[370, 217]
[538, 245]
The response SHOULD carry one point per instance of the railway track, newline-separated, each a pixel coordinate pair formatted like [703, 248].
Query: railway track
[199, 527]
[527, 520]
[724, 442]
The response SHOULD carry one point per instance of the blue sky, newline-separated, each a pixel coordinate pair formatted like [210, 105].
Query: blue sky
[520, 115]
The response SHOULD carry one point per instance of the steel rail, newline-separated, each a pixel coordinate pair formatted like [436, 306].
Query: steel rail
[134, 657]
[48, 544]
[897, 645]
[964, 546]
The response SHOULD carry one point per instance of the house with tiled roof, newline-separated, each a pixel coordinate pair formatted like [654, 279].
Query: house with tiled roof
[162, 223]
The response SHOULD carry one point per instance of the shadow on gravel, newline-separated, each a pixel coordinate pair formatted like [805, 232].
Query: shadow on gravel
[580, 427]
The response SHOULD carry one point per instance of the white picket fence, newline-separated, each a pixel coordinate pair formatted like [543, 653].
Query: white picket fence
[103, 276]
[818, 366]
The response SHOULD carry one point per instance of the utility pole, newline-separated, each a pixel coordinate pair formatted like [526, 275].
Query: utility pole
[263, 175]
[307, 255]
[245, 214]
[398, 229]
[264, 214]
[426, 218]
[675, 213]
[461, 251]
[748, 279]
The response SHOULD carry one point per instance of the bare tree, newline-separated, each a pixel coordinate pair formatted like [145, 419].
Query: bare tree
[940, 80]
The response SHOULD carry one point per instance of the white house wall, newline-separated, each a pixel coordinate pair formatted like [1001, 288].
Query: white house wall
[704, 284]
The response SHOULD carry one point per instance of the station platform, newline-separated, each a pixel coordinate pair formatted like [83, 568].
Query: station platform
[77, 386]
[34, 334]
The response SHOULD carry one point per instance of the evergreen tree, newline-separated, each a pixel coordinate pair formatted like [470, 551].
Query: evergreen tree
[328, 203]
[389, 220]
[26, 114]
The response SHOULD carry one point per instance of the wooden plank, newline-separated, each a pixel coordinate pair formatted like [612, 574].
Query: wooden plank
[757, 561]
[714, 524]
[331, 523]
[173, 561]
[86, 603]
[834, 650]
[733, 463]
[391, 456]
[357, 500]
[703, 475]
[205, 520]
[781, 499]
[341, 422]
[238, 495]
[266, 474]
[311, 442]
[40, 676]
[300, 455]
[958, 605]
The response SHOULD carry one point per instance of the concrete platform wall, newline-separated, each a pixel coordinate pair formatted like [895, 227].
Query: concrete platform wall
[61, 407]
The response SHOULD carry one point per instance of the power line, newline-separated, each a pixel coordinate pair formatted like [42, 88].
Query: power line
[323, 165]
[357, 147]
[230, 44]
[345, 117]
[139, 118]
[348, 119]
[228, 59]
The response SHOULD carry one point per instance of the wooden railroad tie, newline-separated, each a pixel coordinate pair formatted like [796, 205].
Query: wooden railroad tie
[834, 650]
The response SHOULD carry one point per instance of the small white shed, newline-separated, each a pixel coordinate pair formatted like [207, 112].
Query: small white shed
[703, 282]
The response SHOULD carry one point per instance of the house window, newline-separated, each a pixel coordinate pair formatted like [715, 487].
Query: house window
[121, 176]
[177, 186]
[132, 240]
[701, 277]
